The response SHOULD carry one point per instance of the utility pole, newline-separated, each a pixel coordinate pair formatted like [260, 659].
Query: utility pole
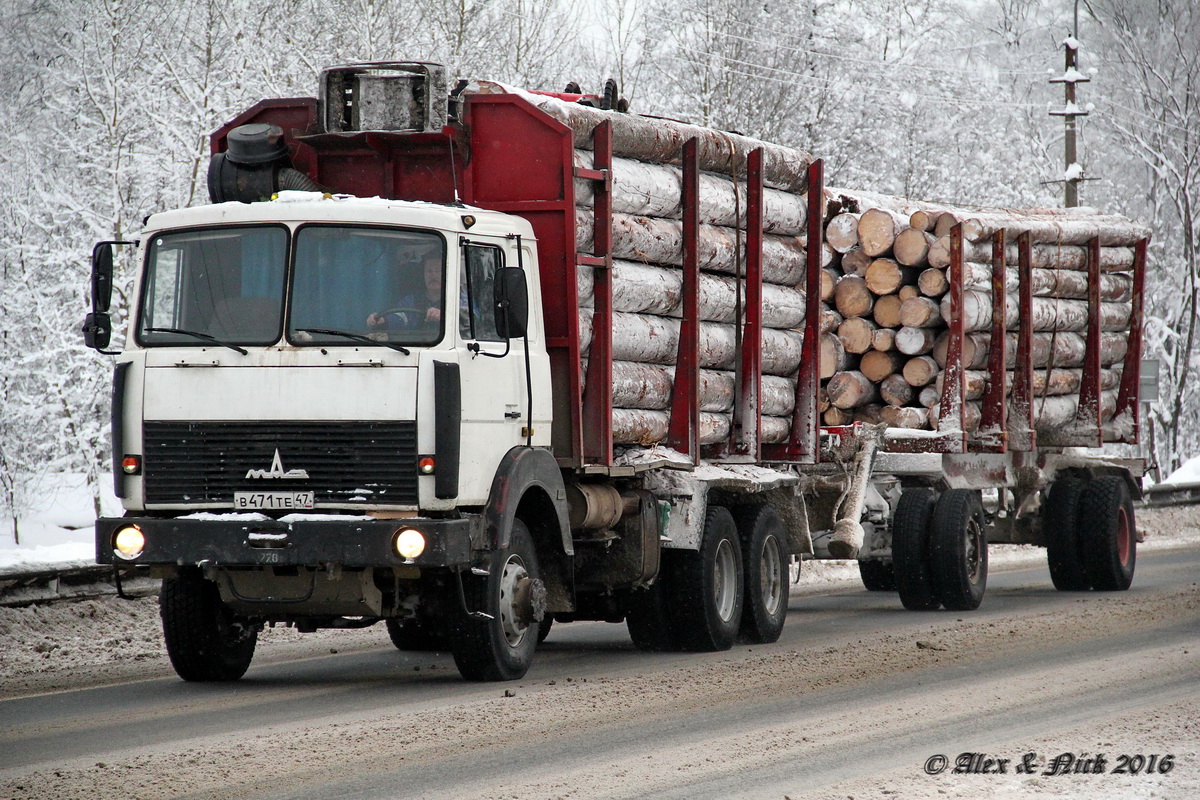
[1073, 173]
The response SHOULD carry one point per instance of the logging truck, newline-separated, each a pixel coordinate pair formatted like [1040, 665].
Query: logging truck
[468, 360]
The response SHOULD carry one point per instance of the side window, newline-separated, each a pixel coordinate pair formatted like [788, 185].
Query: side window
[476, 317]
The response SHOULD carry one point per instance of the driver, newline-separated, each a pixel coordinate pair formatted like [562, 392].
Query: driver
[418, 310]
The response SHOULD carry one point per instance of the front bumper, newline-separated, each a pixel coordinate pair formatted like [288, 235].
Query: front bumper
[240, 542]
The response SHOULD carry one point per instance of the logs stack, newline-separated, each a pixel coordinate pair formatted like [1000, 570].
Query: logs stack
[893, 296]
[647, 280]
[883, 287]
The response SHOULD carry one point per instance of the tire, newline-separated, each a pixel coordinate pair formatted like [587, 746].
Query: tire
[706, 597]
[648, 617]
[958, 550]
[764, 573]
[1108, 533]
[500, 648]
[1060, 527]
[544, 628]
[413, 636]
[910, 550]
[878, 576]
[205, 640]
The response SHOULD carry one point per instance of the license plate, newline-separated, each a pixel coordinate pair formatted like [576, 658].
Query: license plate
[272, 501]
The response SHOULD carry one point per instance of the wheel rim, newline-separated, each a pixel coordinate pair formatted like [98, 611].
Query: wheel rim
[725, 580]
[974, 549]
[512, 578]
[769, 568]
[1123, 537]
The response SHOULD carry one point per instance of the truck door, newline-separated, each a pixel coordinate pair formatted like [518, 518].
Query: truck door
[494, 399]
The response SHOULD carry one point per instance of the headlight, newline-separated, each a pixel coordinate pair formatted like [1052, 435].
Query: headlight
[409, 544]
[129, 542]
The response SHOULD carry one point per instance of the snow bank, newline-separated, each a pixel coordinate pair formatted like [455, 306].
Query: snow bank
[58, 532]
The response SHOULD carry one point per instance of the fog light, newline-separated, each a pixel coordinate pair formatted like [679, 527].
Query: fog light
[409, 544]
[131, 465]
[129, 542]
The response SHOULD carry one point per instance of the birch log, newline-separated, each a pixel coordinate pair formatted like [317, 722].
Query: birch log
[856, 262]
[883, 339]
[852, 297]
[933, 283]
[1115, 287]
[856, 333]
[851, 389]
[1053, 382]
[905, 417]
[661, 140]
[1044, 256]
[886, 311]
[920, 371]
[915, 341]
[654, 190]
[1048, 313]
[1050, 414]
[911, 247]
[885, 276]
[877, 230]
[649, 289]
[832, 356]
[878, 364]
[895, 390]
[1048, 349]
[660, 241]
[842, 232]
[922, 312]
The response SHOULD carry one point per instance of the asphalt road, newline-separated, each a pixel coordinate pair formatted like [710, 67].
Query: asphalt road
[856, 690]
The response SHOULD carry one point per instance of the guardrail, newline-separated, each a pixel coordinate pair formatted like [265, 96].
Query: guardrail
[1172, 494]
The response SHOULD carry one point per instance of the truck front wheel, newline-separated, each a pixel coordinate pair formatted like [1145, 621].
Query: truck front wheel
[501, 648]
[707, 587]
[205, 640]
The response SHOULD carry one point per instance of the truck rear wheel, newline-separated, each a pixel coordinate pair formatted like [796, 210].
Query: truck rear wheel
[910, 550]
[877, 576]
[706, 599]
[1060, 527]
[205, 640]
[500, 648]
[649, 618]
[764, 573]
[958, 550]
[1108, 533]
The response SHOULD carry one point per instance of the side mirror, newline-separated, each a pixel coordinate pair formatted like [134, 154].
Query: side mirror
[97, 330]
[102, 276]
[511, 303]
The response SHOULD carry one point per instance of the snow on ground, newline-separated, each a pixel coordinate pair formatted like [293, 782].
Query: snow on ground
[57, 533]
[1188, 473]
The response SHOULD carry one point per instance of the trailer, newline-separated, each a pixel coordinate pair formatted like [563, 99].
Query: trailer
[469, 360]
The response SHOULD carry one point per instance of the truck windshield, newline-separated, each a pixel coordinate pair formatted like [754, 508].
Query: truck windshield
[222, 285]
[385, 284]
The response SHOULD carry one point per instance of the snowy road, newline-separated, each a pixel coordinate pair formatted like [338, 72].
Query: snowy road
[853, 701]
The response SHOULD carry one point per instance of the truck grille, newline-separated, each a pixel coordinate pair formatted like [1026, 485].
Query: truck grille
[347, 462]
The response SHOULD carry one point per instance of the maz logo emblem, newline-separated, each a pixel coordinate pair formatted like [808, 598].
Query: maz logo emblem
[276, 470]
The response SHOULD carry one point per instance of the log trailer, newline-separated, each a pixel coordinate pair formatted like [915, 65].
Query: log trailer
[415, 365]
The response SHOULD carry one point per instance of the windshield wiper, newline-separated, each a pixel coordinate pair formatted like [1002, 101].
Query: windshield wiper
[356, 337]
[196, 334]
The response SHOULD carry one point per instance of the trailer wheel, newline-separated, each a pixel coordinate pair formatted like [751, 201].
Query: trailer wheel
[414, 636]
[706, 601]
[958, 550]
[878, 576]
[764, 573]
[205, 640]
[1060, 526]
[1108, 533]
[910, 550]
[649, 617]
[500, 648]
